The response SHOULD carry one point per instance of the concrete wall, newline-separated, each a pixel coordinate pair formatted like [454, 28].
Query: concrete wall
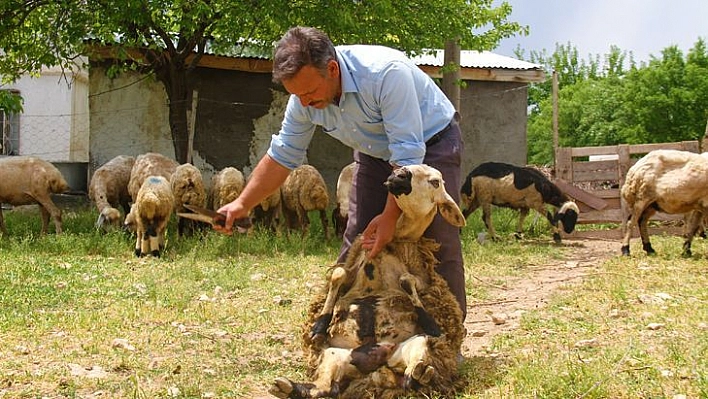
[239, 111]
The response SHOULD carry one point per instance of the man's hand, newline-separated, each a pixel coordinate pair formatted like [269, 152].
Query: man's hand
[234, 210]
[381, 229]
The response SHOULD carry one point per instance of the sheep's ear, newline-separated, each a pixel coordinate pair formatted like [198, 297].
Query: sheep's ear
[450, 211]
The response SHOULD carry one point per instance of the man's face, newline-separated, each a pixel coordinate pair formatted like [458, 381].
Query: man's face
[313, 89]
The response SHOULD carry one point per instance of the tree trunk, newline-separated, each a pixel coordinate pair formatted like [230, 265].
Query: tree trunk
[174, 78]
[451, 72]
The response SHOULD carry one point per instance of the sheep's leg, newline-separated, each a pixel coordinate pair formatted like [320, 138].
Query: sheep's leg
[627, 226]
[644, 230]
[2, 222]
[334, 367]
[487, 217]
[319, 329]
[554, 224]
[523, 212]
[472, 207]
[323, 219]
[48, 208]
[695, 222]
[412, 356]
[139, 243]
[410, 284]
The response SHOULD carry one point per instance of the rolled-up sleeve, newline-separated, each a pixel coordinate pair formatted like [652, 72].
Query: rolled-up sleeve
[401, 115]
[289, 146]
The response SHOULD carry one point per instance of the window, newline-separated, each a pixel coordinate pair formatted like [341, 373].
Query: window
[10, 129]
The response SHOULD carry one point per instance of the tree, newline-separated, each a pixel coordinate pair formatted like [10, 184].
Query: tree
[167, 38]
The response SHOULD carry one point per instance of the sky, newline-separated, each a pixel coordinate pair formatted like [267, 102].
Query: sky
[644, 27]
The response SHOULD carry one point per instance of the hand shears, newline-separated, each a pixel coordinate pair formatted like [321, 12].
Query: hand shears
[214, 218]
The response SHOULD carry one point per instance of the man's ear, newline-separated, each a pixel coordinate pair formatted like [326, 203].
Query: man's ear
[333, 68]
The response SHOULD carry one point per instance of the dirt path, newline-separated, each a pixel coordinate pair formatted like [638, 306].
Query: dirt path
[488, 319]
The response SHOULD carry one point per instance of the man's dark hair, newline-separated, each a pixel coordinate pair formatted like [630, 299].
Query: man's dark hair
[301, 46]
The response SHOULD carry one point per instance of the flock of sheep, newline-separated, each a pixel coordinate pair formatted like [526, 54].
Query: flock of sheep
[151, 187]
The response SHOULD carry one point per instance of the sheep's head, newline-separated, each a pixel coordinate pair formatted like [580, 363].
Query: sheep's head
[420, 193]
[109, 216]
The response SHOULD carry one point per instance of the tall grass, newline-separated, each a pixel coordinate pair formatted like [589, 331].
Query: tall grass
[221, 316]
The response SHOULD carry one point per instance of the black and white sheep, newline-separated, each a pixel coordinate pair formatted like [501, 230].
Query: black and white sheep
[149, 215]
[516, 187]
[26, 180]
[108, 190]
[188, 189]
[669, 181]
[388, 326]
[340, 214]
[304, 190]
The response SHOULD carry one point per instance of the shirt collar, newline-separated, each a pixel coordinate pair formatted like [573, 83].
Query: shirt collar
[348, 83]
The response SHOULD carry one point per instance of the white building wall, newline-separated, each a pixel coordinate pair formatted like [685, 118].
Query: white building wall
[55, 123]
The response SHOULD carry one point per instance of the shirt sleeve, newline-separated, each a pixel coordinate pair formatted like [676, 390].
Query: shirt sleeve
[289, 146]
[400, 109]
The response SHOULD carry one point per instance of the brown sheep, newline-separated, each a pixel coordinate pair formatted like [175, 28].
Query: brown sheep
[226, 186]
[29, 180]
[149, 215]
[388, 326]
[669, 181]
[515, 187]
[188, 189]
[340, 214]
[108, 190]
[304, 190]
[149, 164]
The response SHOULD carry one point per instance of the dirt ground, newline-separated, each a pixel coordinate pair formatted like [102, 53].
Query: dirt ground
[502, 314]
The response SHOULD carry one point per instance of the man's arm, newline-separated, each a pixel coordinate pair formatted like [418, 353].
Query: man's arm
[267, 177]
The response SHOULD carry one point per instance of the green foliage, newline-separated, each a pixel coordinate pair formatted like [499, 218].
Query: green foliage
[10, 102]
[609, 102]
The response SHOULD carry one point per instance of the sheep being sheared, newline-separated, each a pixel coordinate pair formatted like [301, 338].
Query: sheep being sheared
[188, 189]
[388, 326]
[669, 181]
[109, 189]
[304, 190]
[340, 214]
[515, 187]
[29, 180]
[149, 215]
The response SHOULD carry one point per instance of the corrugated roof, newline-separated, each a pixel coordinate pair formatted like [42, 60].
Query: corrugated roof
[477, 59]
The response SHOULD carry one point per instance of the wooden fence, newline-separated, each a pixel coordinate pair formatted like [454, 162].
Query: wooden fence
[593, 177]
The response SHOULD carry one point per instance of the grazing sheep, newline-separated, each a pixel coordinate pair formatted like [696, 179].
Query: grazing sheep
[304, 190]
[149, 164]
[109, 189]
[340, 214]
[150, 213]
[226, 186]
[268, 212]
[188, 189]
[29, 180]
[388, 326]
[515, 187]
[669, 181]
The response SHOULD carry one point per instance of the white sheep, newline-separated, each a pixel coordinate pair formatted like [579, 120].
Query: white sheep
[340, 214]
[669, 181]
[108, 190]
[188, 189]
[515, 187]
[304, 190]
[149, 164]
[268, 212]
[28, 180]
[226, 186]
[389, 324]
[149, 215]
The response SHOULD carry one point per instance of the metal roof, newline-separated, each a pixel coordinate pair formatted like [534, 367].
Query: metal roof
[477, 59]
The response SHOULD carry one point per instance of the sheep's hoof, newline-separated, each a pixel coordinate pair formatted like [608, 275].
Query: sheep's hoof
[648, 249]
[687, 253]
[556, 238]
[284, 388]
[625, 250]
[138, 253]
[423, 373]
[518, 235]
[319, 329]
[155, 253]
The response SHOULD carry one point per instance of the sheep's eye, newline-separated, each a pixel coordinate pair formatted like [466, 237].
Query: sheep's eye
[435, 183]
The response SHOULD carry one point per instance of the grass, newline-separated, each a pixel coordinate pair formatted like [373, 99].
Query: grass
[220, 317]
